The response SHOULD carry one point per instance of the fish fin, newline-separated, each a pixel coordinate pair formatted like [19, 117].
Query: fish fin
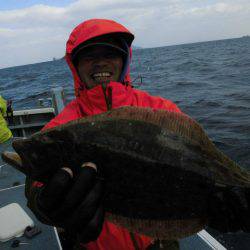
[14, 160]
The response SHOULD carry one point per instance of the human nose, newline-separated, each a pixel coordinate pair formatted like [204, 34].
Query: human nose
[99, 61]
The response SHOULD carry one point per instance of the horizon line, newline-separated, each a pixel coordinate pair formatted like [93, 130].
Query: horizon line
[138, 48]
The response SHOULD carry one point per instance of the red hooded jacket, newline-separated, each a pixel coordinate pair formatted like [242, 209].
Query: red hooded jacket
[92, 101]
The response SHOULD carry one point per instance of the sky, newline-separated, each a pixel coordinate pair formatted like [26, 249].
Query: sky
[34, 31]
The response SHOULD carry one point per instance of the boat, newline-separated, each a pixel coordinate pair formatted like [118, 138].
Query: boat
[12, 182]
[28, 121]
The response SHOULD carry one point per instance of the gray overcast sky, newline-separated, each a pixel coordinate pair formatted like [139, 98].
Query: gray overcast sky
[34, 31]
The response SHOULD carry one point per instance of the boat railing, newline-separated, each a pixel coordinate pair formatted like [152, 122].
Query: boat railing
[26, 122]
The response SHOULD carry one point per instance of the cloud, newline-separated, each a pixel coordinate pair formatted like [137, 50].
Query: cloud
[39, 33]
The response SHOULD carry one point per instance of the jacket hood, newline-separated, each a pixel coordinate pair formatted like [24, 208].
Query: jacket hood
[91, 29]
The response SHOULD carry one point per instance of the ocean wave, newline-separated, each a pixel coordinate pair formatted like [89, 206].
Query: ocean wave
[207, 103]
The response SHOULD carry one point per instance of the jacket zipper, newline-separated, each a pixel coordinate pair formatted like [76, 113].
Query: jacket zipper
[107, 96]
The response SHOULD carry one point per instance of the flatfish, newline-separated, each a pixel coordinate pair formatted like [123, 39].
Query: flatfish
[160, 167]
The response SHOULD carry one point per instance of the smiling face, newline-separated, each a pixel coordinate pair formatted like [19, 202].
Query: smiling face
[99, 64]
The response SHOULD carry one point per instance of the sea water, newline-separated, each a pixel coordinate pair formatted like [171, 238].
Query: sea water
[209, 81]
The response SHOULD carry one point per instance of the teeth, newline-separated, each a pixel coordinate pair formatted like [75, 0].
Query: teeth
[101, 74]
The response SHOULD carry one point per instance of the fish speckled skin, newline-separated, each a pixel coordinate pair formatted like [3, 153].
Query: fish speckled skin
[160, 167]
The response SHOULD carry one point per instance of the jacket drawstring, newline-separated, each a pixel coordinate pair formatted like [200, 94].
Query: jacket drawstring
[135, 244]
[108, 97]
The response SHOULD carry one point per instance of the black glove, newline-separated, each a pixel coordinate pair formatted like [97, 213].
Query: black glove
[75, 204]
[229, 210]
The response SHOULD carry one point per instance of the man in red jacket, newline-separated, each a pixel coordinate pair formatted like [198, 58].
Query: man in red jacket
[98, 53]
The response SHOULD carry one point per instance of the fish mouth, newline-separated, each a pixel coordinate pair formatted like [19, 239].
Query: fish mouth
[104, 76]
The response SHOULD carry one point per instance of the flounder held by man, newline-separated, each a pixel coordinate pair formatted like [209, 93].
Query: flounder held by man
[159, 166]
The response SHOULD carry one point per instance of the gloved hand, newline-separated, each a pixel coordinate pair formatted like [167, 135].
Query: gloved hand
[229, 210]
[73, 203]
